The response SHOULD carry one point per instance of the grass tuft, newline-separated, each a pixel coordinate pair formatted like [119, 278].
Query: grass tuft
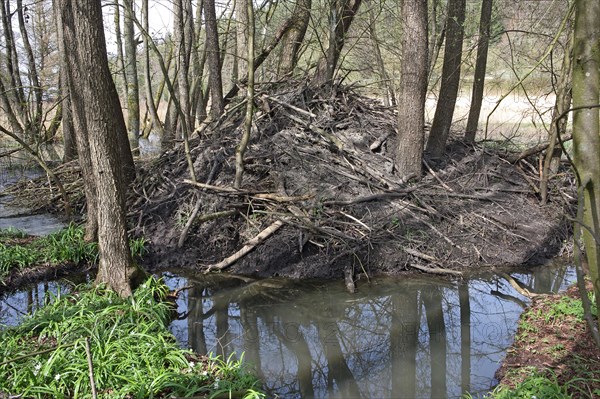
[133, 353]
[17, 252]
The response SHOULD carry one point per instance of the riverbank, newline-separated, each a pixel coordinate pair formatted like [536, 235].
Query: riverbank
[92, 342]
[553, 355]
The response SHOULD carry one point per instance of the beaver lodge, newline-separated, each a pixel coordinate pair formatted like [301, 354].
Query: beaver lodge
[320, 197]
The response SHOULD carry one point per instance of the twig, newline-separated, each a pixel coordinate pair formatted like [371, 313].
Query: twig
[258, 239]
[436, 176]
[90, 367]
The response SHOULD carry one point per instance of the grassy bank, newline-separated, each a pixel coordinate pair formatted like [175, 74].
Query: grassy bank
[19, 252]
[130, 352]
[554, 355]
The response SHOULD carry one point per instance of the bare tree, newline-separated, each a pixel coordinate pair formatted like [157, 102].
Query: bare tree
[341, 15]
[241, 148]
[99, 120]
[294, 37]
[214, 60]
[442, 120]
[586, 134]
[133, 92]
[480, 68]
[411, 99]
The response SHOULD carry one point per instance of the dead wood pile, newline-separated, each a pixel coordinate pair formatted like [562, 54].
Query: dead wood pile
[320, 197]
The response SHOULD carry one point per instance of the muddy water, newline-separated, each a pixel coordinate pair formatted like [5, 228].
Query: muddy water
[408, 338]
[20, 218]
[394, 338]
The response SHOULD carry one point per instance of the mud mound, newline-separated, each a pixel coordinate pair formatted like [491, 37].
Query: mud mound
[320, 198]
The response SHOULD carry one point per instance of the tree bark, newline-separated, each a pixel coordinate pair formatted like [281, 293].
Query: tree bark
[411, 99]
[341, 16]
[442, 120]
[152, 106]
[133, 92]
[241, 37]
[586, 129]
[120, 53]
[480, 68]
[98, 115]
[215, 82]
[294, 37]
[241, 148]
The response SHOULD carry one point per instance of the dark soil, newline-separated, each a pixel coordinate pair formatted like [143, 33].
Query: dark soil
[322, 164]
[564, 346]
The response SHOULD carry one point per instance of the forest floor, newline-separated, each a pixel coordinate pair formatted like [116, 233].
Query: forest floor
[320, 198]
[553, 345]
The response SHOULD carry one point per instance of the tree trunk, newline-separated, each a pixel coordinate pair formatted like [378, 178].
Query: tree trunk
[294, 37]
[241, 37]
[558, 127]
[480, 68]
[411, 99]
[120, 53]
[241, 148]
[586, 129]
[133, 92]
[99, 115]
[442, 121]
[184, 39]
[341, 16]
[152, 106]
[217, 106]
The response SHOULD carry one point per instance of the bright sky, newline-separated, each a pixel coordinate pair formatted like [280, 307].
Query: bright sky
[159, 14]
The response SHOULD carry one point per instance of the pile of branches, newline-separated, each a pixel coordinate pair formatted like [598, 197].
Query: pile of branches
[320, 197]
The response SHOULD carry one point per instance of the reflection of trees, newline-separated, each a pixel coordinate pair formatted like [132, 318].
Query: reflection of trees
[434, 313]
[404, 336]
[196, 337]
[390, 339]
[465, 337]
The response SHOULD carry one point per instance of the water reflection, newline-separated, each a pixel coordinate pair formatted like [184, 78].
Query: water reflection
[18, 304]
[393, 339]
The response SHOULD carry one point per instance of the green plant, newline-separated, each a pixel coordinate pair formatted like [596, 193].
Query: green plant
[133, 353]
[65, 246]
[535, 386]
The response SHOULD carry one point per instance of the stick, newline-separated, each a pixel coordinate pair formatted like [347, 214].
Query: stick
[435, 270]
[258, 239]
[91, 368]
[436, 176]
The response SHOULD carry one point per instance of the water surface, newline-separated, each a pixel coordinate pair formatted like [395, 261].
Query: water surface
[394, 338]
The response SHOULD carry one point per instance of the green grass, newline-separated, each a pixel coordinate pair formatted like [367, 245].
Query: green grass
[64, 246]
[536, 386]
[133, 353]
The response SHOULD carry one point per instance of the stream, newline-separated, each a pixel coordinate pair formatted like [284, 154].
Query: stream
[394, 338]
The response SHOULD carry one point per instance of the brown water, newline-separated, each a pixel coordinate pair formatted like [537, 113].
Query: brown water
[395, 338]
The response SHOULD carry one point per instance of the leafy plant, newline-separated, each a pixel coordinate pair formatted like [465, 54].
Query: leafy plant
[133, 353]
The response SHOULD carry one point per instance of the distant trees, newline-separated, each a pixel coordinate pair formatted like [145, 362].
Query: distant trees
[480, 67]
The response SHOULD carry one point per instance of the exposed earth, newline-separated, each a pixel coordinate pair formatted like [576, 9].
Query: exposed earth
[556, 344]
[320, 198]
